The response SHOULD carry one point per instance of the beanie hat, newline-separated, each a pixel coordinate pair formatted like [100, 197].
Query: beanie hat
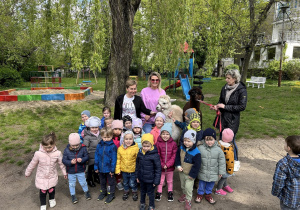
[166, 127]
[74, 139]
[86, 112]
[195, 117]
[137, 123]
[117, 124]
[209, 132]
[126, 118]
[191, 135]
[160, 114]
[148, 137]
[227, 135]
[190, 111]
[93, 122]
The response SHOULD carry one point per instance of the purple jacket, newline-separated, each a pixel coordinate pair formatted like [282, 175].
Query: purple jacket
[167, 153]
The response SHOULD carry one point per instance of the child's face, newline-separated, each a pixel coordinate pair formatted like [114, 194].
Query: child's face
[117, 131]
[195, 124]
[188, 143]
[75, 146]
[165, 135]
[94, 129]
[128, 140]
[146, 146]
[106, 138]
[108, 123]
[159, 122]
[84, 117]
[128, 124]
[48, 148]
[106, 114]
[137, 130]
[209, 140]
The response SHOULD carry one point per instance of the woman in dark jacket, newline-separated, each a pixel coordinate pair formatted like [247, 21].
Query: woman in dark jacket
[130, 104]
[233, 100]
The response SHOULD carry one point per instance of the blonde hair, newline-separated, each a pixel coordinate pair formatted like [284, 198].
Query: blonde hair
[107, 119]
[106, 132]
[154, 73]
[130, 82]
[49, 139]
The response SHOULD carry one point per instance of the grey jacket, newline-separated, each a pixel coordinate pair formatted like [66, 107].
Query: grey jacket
[91, 142]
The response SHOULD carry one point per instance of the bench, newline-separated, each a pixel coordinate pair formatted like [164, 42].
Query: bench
[207, 79]
[297, 85]
[257, 80]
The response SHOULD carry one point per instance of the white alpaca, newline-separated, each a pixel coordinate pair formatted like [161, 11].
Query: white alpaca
[164, 106]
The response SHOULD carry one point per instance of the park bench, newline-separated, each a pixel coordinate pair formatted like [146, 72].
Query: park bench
[257, 80]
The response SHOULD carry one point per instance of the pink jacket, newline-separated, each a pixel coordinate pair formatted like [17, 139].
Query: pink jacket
[46, 173]
[167, 153]
[155, 132]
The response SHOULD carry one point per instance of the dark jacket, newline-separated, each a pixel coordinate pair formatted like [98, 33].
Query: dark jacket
[167, 153]
[106, 157]
[148, 167]
[230, 115]
[70, 155]
[199, 136]
[91, 141]
[138, 104]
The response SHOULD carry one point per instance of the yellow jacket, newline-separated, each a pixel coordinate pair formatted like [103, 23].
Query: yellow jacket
[126, 159]
[229, 155]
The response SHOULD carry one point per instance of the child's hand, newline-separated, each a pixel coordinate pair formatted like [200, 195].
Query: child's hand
[180, 168]
[73, 161]
[147, 117]
[79, 160]
[220, 175]
[170, 114]
[137, 180]
[153, 185]
[190, 177]
[96, 171]
[165, 167]
[118, 173]
[152, 113]
[65, 176]
[111, 174]
[173, 119]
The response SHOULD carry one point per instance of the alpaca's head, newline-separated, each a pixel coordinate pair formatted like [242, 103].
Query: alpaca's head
[196, 94]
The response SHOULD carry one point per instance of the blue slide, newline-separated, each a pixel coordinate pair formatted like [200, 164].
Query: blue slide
[186, 86]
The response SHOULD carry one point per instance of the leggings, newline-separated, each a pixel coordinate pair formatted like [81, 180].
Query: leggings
[43, 194]
[222, 183]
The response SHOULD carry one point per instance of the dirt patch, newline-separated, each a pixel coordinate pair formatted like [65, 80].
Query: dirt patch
[46, 91]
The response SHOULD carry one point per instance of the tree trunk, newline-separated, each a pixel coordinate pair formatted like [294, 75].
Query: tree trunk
[219, 68]
[122, 13]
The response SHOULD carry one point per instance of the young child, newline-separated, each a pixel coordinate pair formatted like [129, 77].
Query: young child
[106, 114]
[212, 165]
[84, 116]
[126, 160]
[75, 158]
[227, 147]
[137, 129]
[91, 139]
[195, 124]
[286, 179]
[108, 122]
[148, 170]
[188, 162]
[46, 178]
[127, 121]
[159, 122]
[167, 149]
[105, 164]
[187, 115]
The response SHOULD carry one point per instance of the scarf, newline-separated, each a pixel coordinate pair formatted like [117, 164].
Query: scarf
[229, 91]
[75, 149]
[189, 127]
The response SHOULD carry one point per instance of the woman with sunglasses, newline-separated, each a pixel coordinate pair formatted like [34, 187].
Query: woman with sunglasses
[150, 96]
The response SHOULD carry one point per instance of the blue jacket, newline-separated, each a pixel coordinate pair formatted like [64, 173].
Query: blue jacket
[80, 129]
[70, 155]
[148, 167]
[199, 136]
[181, 125]
[286, 182]
[106, 157]
[102, 123]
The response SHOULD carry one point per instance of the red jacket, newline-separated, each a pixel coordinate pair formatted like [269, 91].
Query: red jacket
[167, 153]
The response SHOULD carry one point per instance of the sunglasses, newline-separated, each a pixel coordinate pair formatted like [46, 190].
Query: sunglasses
[154, 80]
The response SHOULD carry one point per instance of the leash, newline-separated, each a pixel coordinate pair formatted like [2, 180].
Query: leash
[218, 115]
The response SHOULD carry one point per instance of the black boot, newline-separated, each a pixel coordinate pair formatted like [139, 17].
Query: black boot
[102, 195]
[90, 183]
[110, 197]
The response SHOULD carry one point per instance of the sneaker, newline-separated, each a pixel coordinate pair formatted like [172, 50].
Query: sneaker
[44, 207]
[170, 196]
[158, 196]
[150, 208]
[210, 199]
[228, 189]
[125, 196]
[120, 186]
[220, 192]
[143, 206]
[188, 205]
[199, 198]
[135, 196]
[101, 196]
[87, 195]
[182, 199]
[74, 199]
[52, 203]
[110, 197]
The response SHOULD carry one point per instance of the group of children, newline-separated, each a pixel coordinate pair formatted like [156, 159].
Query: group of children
[119, 154]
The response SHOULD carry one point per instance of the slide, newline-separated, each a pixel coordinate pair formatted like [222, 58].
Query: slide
[177, 84]
[186, 86]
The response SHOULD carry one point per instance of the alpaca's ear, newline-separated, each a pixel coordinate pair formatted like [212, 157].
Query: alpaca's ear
[172, 100]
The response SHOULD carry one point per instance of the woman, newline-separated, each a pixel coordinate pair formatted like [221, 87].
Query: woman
[130, 104]
[233, 100]
[150, 96]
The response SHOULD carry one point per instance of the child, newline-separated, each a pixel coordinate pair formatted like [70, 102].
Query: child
[137, 129]
[126, 160]
[75, 158]
[127, 121]
[159, 122]
[286, 179]
[105, 164]
[167, 149]
[212, 165]
[46, 174]
[227, 147]
[187, 115]
[91, 139]
[84, 116]
[195, 124]
[188, 162]
[108, 122]
[106, 114]
[148, 170]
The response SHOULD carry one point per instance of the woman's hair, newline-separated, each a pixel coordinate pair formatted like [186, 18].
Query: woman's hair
[106, 108]
[234, 73]
[106, 132]
[294, 143]
[130, 82]
[49, 139]
[159, 77]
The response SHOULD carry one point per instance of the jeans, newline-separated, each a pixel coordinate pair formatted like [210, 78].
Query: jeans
[147, 188]
[235, 149]
[43, 194]
[205, 187]
[129, 181]
[148, 127]
[169, 177]
[106, 177]
[81, 180]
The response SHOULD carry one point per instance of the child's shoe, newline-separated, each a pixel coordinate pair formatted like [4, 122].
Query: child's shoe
[228, 189]
[87, 195]
[143, 206]
[96, 179]
[102, 195]
[151, 208]
[91, 183]
[120, 186]
[44, 207]
[158, 196]
[182, 199]
[52, 203]
[199, 198]
[170, 196]
[125, 196]
[110, 197]
[220, 192]
[135, 196]
[188, 205]
[210, 199]
[74, 199]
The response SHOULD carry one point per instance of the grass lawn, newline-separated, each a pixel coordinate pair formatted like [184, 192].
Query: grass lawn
[270, 112]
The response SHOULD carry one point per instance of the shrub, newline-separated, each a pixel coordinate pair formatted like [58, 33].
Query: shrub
[292, 69]
[25, 73]
[9, 77]
[231, 66]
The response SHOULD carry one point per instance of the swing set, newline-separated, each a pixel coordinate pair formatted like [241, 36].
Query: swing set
[83, 70]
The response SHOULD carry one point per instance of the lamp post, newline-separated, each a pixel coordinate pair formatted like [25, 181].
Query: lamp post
[283, 8]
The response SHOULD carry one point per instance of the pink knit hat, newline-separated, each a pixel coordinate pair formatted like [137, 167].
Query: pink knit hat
[117, 124]
[74, 139]
[227, 135]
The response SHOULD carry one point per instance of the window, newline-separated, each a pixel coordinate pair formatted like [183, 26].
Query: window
[296, 52]
[257, 55]
[271, 53]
